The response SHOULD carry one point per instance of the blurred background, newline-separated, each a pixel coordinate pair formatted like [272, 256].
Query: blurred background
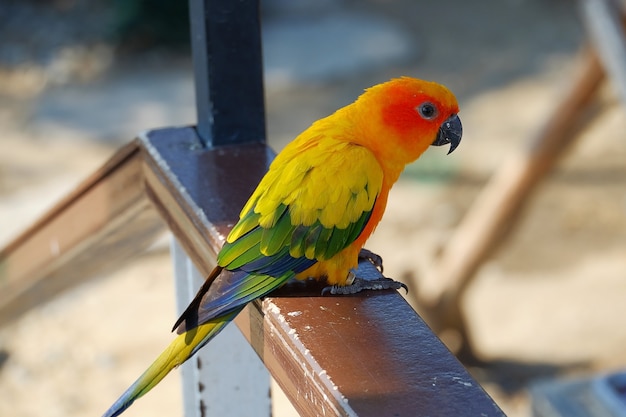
[79, 78]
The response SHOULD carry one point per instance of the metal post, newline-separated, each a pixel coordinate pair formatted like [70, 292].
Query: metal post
[228, 67]
[226, 378]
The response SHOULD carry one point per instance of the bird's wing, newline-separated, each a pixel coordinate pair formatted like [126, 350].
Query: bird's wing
[306, 209]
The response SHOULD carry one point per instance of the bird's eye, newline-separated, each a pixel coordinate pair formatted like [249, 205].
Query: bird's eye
[427, 111]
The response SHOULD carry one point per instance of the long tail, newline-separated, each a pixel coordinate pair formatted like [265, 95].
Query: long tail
[182, 348]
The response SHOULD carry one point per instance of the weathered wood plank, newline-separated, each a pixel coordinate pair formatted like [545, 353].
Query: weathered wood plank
[369, 355]
[107, 217]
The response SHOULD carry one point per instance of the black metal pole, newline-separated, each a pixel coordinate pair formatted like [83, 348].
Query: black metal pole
[228, 69]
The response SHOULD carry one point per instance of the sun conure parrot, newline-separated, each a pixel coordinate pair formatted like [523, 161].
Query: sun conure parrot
[312, 212]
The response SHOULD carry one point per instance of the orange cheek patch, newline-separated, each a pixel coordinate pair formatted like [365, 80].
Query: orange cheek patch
[402, 117]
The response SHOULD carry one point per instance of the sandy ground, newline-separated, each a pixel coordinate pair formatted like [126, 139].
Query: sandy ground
[548, 302]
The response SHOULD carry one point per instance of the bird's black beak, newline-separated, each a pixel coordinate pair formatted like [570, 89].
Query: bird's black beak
[450, 132]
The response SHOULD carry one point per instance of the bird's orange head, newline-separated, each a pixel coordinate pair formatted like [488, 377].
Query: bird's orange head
[398, 120]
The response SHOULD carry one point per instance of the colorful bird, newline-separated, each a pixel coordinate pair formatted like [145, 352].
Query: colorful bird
[312, 212]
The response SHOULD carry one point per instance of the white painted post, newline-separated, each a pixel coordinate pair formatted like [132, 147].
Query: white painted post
[225, 378]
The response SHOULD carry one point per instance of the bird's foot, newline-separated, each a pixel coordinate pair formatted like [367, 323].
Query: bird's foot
[360, 284]
[372, 257]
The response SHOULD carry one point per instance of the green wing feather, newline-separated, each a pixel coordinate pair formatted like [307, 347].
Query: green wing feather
[315, 204]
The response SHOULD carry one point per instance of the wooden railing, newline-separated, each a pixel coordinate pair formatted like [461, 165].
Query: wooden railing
[365, 355]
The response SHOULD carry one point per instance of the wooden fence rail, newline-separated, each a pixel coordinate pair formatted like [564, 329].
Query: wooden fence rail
[366, 355]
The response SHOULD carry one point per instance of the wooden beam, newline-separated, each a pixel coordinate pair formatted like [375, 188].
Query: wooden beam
[366, 355]
[502, 199]
[369, 355]
[107, 217]
[199, 192]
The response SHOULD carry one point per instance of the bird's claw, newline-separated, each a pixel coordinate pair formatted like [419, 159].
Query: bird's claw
[360, 284]
[372, 257]
[356, 284]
